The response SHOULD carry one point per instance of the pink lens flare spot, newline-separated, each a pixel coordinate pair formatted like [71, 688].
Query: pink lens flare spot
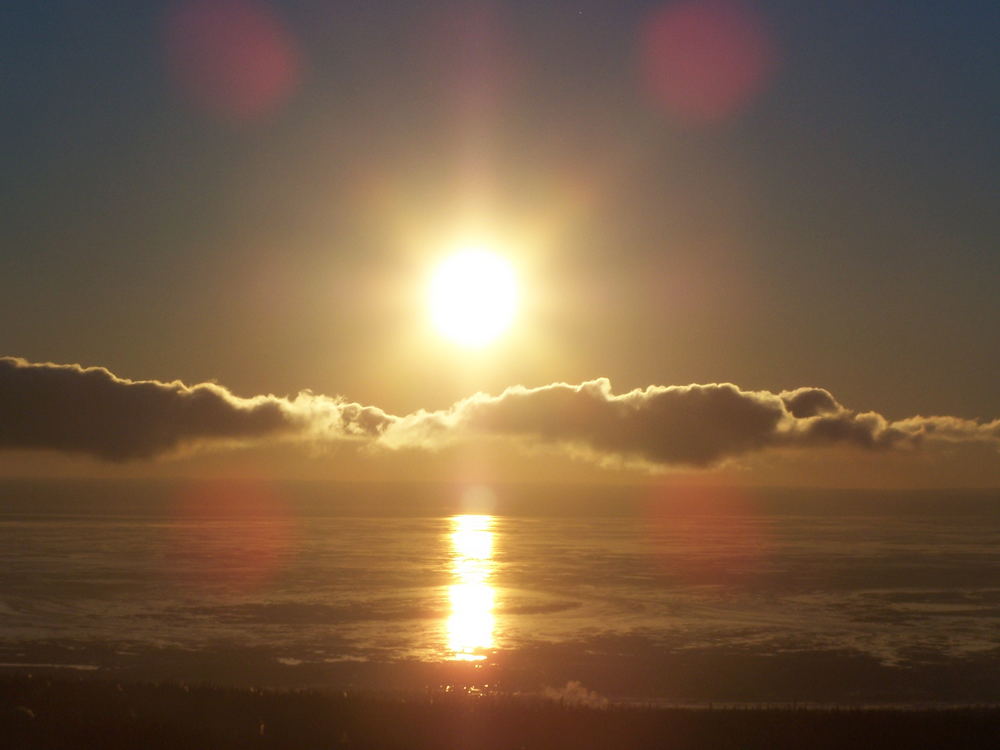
[233, 58]
[704, 535]
[704, 60]
[233, 536]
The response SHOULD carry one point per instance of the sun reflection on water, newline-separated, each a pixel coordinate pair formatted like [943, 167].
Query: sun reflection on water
[471, 596]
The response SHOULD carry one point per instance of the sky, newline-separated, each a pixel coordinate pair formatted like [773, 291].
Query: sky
[794, 198]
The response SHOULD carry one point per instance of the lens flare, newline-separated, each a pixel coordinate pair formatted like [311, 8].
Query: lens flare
[231, 537]
[232, 58]
[704, 60]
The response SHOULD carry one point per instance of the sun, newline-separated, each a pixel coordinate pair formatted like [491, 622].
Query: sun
[473, 297]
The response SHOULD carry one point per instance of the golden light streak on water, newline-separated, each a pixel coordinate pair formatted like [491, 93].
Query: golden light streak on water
[471, 596]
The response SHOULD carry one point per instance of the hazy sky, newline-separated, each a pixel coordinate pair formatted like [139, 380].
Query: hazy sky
[778, 195]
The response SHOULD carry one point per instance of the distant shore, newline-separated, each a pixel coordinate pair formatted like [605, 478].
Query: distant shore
[39, 711]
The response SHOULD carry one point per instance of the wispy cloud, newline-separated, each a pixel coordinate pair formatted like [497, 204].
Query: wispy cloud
[92, 411]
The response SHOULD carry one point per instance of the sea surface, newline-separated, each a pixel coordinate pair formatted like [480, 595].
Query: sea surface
[581, 593]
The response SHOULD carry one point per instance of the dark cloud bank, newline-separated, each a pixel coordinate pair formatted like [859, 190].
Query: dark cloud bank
[691, 426]
[92, 411]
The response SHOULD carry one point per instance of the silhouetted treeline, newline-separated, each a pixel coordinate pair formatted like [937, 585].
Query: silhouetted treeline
[38, 712]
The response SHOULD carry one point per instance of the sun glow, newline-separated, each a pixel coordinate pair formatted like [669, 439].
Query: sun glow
[473, 297]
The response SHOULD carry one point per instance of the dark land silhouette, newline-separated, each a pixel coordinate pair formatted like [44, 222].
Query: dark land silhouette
[39, 712]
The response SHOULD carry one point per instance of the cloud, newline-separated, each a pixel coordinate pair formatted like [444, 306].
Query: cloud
[695, 426]
[92, 411]
[690, 425]
[950, 430]
[810, 402]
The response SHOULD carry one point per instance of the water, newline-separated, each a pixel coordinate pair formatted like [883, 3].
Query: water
[677, 596]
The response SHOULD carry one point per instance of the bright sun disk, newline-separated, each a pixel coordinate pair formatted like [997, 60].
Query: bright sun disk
[473, 297]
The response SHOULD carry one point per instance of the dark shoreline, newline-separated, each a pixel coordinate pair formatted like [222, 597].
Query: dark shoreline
[730, 677]
[39, 711]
